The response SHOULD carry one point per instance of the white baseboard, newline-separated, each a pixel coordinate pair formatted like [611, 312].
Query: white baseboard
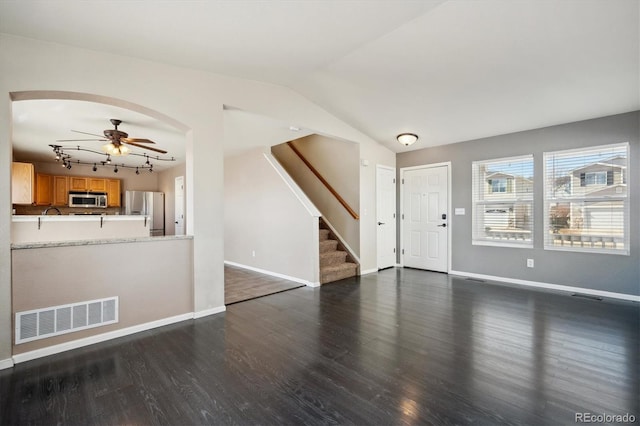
[558, 287]
[210, 311]
[368, 271]
[6, 363]
[75, 344]
[273, 274]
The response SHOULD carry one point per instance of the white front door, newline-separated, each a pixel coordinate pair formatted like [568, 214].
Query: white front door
[425, 218]
[179, 205]
[386, 216]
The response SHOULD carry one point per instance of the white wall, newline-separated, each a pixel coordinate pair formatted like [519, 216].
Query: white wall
[266, 225]
[153, 281]
[191, 100]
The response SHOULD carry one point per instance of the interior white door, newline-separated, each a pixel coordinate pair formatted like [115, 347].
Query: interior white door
[425, 218]
[179, 205]
[386, 216]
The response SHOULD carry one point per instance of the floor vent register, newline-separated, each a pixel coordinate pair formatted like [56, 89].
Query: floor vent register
[56, 320]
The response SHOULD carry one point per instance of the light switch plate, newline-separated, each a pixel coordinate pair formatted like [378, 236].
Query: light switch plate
[459, 211]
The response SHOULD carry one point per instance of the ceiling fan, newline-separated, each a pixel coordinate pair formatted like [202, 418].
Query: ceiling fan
[117, 140]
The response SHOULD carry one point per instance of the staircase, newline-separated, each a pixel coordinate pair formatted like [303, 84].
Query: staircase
[335, 262]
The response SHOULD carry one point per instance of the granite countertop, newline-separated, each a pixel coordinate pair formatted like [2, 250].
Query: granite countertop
[47, 244]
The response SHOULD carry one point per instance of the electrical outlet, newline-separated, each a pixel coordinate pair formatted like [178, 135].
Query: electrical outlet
[529, 263]
[253, 253]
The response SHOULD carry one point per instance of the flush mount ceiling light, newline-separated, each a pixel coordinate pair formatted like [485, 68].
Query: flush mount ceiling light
[407, 139]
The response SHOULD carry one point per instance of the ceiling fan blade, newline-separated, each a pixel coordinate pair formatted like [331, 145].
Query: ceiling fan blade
[90, 134]
[80, 140]
[145, 147]
[136, 140]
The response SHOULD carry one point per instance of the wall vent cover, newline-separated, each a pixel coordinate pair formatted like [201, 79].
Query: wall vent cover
[56, 320]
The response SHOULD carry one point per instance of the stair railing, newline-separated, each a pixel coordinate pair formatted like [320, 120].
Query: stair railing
[324, 182]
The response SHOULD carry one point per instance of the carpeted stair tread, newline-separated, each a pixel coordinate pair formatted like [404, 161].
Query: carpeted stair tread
[324, 234]
[332, 258]
[335, 263]
[339, 272]
[328, 245]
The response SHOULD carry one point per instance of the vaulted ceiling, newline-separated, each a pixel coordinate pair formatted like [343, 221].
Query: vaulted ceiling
[447, 70]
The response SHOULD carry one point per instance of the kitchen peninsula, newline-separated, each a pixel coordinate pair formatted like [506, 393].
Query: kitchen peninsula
[42, 228]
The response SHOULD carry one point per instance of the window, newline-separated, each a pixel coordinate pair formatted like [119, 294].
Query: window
[498, 185]
[586, 206]
[593, 178]
[503, 202]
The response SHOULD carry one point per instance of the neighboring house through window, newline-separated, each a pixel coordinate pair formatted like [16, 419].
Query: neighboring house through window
[586, 203]
[503, 202]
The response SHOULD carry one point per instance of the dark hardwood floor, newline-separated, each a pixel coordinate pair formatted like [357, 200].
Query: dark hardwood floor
[242, 284]
[397, 347]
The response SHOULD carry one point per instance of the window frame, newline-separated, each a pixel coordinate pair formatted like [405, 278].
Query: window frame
[509, 200]
[547, 240]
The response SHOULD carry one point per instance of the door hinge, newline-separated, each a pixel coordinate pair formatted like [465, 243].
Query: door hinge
[402, 216]
[394, 215]
[394, 180]
[403, 181]
[402, 251]
[394, 249]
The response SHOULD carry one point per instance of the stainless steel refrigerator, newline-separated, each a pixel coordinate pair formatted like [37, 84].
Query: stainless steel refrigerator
[150, 204]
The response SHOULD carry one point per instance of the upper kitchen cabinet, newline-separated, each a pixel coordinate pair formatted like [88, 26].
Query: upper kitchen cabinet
[60, 190]
[78, 183]
[97, 185]
[113, 192]
[44, 189]
[22, 183]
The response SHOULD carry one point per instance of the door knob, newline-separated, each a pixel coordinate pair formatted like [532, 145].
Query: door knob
[176, 221]
[444, 225]
[380, 223]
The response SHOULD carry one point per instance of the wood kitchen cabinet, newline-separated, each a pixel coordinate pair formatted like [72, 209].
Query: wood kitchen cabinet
[77, 183]
[113, 192]
[97, 185]
[60, 190]
[44, 189]
[22, 183]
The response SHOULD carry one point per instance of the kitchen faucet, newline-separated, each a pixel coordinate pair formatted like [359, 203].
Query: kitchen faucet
[51, 208]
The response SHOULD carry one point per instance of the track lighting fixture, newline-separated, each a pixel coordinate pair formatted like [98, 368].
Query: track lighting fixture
[65, 158]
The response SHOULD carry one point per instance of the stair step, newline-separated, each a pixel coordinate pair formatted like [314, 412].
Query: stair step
[328, 245]
[339, 272]
[324, 234]
[332, 258]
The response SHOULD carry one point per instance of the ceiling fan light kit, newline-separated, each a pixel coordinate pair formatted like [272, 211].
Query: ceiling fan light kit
[407, 139]
[116, 146]
[115, 150]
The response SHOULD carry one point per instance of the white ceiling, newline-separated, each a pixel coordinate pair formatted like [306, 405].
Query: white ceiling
[40, 123]
[447, 70]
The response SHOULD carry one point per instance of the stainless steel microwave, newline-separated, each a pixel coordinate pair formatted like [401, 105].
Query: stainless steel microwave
[88, 199]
